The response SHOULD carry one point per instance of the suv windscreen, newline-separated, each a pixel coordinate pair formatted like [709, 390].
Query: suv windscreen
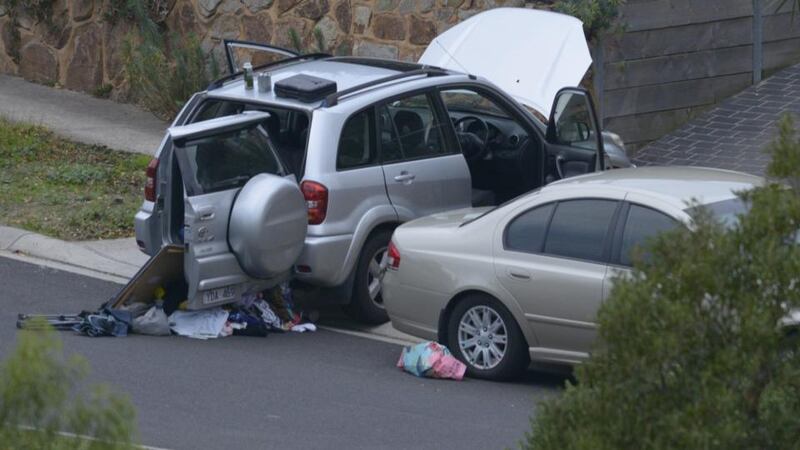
[228, 161]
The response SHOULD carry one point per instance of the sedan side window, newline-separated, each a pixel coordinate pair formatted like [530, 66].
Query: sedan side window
[642, 225]
[579, 229]
[526, 232]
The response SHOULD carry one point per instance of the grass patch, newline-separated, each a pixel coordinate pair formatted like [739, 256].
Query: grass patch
[64, 189]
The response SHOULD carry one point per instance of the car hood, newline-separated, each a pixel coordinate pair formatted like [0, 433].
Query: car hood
[528, 53]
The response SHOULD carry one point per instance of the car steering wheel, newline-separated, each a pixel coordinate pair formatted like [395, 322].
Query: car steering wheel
[465, 125]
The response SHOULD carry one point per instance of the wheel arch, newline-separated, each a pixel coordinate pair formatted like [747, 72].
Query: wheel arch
[376, 219]
[444, 315]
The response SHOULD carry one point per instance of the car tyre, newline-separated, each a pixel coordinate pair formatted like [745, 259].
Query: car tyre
[497, 350]
[366, 304]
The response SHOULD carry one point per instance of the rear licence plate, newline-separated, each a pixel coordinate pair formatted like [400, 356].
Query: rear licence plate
[219, 295]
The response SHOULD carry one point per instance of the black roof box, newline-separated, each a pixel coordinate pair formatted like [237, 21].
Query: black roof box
[305, 88]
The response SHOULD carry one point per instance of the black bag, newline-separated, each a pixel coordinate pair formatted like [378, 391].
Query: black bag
[305, 88]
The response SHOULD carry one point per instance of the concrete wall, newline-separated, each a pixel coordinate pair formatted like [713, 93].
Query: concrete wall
[679, 57]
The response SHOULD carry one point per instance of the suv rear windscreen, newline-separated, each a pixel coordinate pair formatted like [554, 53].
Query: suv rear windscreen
[287, 128]
[228, 161]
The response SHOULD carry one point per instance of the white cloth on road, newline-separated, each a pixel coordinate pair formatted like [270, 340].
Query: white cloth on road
[206, 324]
[303, 327]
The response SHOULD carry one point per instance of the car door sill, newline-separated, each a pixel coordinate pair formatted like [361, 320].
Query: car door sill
[561, 322]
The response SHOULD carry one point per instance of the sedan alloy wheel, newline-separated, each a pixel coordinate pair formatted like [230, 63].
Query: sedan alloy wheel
[482, 337]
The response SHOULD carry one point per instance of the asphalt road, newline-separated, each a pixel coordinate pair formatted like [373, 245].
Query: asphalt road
[311, 390]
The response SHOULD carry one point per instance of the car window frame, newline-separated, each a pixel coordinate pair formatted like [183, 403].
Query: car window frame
[519, 115]
[193, 189]
[371, 110]
[608, 239]
[508, 248]
[516, 111]
[192, 118]
[451, 147]
[619, 231]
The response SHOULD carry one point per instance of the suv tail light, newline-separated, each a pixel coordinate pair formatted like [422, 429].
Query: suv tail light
[393, 255]
[316, 196]
[150, 183]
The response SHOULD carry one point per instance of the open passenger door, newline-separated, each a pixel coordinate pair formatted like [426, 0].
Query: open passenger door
[245, 218]
[238, 52]
[574, 142]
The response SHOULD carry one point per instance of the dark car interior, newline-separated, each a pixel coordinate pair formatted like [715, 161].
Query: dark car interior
[504, 158]
[287, 129]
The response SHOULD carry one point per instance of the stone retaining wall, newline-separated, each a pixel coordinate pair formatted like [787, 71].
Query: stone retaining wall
[80, 47]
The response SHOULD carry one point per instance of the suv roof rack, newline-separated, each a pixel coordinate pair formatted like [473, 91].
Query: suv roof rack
[294, 59]
[333, 99]
[380, 63]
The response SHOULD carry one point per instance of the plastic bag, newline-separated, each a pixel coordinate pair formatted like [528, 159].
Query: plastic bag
[431, 359]
[154, 322]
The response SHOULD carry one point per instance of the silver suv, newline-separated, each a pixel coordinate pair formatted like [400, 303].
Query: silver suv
[259, 185]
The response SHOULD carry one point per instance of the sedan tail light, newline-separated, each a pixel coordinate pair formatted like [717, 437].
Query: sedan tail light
[150, 183]
[316, 196]
[393, 255]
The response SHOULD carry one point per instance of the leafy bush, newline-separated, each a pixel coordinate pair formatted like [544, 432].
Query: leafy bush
[39, 10]
[163, 71]
[320, 46]
[41, 397]
[692, 355]
[135, 10]
[164, 77]
[596, 15]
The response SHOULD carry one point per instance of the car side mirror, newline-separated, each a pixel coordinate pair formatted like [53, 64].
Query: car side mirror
[572, 131]
[573, 122]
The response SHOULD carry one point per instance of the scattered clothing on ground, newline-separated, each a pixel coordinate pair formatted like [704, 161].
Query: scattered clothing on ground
[303, 327]
[154, 322]
[106, 322]
[203, 324]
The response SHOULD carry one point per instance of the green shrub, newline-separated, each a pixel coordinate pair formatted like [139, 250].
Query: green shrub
[320, 46]
[163, 71]
[164, 76]
[692, 356]
[42, 396]
[596, 15]
[39, 10]
[141, 12]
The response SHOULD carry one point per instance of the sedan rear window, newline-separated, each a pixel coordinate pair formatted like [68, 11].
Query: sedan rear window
[228, 161]
[526, 232]
[579, 228]
[643, 224]
[727, 212]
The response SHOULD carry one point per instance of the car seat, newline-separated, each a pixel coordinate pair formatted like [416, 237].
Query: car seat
[412, 132]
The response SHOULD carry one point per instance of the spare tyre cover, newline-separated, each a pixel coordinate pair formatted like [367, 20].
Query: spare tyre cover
[268, 226]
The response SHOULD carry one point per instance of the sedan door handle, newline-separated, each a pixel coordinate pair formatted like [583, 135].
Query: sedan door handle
[519, 274]
[404, 177]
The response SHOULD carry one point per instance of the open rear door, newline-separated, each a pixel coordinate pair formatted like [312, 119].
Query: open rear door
[245, 218]
[239, 52]
[574, 142]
